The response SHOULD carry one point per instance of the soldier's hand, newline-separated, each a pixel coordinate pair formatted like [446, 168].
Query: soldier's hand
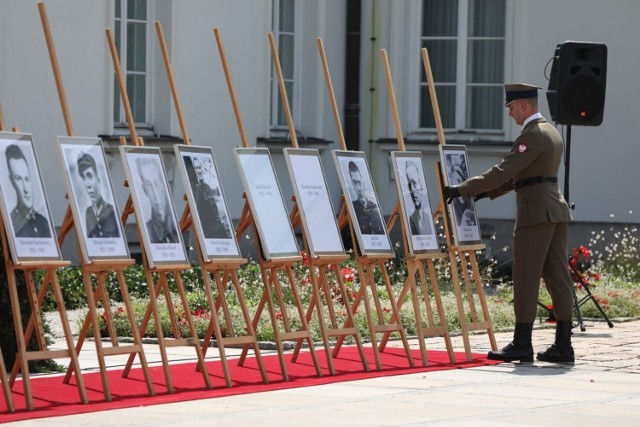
[450, 192]
[480, 196]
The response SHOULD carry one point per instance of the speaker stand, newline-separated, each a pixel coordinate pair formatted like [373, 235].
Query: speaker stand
[567, 161]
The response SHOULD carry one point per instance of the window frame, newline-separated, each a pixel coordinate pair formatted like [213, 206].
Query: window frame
[416, 70]
[122, 54]
[275, 99]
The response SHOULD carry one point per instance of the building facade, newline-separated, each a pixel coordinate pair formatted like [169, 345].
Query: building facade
[475, 47]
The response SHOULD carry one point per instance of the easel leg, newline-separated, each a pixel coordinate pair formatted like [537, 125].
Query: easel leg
[214, 325]
[67, 333]
[137, 339]
[21, 358]
[250, 328]
[394, 309]
[6, 389]
[192, 329]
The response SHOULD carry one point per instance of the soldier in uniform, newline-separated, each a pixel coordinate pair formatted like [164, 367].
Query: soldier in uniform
[27, 222]
[100, 216]
[541, 228]
[366, 211]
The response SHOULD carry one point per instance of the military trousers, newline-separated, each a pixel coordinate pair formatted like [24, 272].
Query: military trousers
[540, 250]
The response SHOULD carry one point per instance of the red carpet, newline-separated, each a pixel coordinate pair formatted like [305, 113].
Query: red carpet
[53, 398]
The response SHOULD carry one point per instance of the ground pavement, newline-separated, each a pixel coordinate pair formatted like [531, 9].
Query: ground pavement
[602, 388]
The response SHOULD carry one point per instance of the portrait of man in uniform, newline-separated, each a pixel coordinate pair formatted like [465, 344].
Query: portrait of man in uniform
[206, 193]
[26, 220]
[419, 220]
[366, 210]
[161, 227]
[100, 216]
[457, 173]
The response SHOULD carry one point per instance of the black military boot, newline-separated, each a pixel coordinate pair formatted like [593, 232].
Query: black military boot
[519, 349]
[561, 351]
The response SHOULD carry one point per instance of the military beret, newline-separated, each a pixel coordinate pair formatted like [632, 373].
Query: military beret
[86, 161]
[515, 91]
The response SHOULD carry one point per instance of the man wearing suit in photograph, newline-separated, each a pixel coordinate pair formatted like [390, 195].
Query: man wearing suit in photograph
[366, 211]
[160, 227]
[205, 198]
[419, 218]
[100, 216]
[27, 222]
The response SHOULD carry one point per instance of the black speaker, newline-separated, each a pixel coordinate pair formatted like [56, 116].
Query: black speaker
[577, 83]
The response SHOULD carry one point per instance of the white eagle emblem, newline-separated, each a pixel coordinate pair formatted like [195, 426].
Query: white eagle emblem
[522, 148]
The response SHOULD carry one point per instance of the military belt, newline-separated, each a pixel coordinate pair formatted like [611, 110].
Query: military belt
[534, 180]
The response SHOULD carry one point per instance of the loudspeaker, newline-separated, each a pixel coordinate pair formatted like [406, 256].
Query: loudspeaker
[577, 83]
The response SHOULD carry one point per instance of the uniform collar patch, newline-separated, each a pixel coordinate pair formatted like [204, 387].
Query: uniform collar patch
[522, 148]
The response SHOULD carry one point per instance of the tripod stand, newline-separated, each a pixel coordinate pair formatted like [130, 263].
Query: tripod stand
[580, 280]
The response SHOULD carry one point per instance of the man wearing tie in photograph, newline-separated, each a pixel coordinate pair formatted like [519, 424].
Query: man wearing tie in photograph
[26, 221]
[100, 216]
[419, 218]
[212, 225]
[160, 227]
[366, 211]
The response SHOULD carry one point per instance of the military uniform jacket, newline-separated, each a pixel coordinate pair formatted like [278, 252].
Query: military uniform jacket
[536, 152]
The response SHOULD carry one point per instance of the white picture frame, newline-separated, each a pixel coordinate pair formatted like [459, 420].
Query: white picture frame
[264, 196]
[160, 232]
[363, 205]
[462, 211]
[314, 202]
[207, 203]
[30, 232]
[417, 217]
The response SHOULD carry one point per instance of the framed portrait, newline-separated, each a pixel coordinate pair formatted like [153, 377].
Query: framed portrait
[314, 203]
[417, 218]
[155, 213]
[92, 200]
[25, 211]
[207, 204]
[363, 206]
[462, 212]
[266, 203]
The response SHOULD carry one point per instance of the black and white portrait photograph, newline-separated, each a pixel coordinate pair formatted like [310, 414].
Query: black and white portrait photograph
[267, 205]
[462, 210]
[417, 217]
[24, 206]
[363, 205]
[91, 196]
[314, 202]
[152, 200]
[206, 202]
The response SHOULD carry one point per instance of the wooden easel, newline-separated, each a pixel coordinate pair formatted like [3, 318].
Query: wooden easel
[461, 252]
[156, 287]
[319, 262]
[6, 387]
[35, 321]
[416, 262]
[99, 268]
[366, 264]
[269, 269]
[222, 270]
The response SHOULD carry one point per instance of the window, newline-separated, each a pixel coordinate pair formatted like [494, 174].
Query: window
[284, 33]
[466, 44]
[131, 37]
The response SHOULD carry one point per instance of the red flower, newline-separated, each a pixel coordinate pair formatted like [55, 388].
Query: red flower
[305, 258]
[348, 275]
